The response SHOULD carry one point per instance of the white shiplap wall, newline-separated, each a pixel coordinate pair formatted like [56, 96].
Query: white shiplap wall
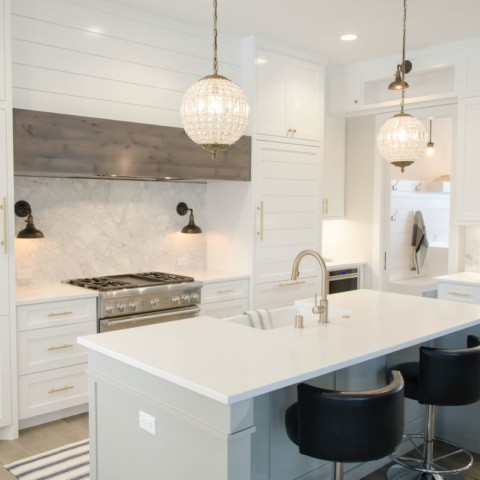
[97, 59]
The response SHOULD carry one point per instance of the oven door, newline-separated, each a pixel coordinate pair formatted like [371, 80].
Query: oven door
[343, 280]
[130, 321]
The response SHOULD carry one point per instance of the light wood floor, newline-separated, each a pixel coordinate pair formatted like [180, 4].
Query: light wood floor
[55, 434]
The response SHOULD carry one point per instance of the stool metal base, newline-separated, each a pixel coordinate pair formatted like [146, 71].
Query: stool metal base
[414, 465]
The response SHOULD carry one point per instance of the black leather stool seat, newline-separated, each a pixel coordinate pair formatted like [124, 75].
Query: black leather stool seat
[347, 426]
[442, 377]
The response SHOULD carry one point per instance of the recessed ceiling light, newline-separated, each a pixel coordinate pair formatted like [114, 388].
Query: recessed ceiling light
[349, 37]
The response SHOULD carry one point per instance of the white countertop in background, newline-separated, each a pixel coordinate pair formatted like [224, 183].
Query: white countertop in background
[29, 294]
[229, 362]
[464, 278]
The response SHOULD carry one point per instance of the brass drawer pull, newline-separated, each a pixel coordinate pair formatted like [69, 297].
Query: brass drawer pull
[291, 284]
[59, 347]
[59, 314]
[4, 242]
[459, 294]
[260, 210]
[61, 389]
[223, 292]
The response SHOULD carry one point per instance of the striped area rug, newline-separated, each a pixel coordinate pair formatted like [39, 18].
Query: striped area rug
[70, 462]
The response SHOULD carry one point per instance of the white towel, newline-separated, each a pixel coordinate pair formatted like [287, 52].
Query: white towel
[260, 319]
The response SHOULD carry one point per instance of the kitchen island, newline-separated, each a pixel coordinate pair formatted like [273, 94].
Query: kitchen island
[183, 399]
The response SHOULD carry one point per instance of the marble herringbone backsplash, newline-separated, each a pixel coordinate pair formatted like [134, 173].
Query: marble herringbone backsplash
[105, 227]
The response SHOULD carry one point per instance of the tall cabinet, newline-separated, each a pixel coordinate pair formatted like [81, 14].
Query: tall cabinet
[7, 278]
[288, 162]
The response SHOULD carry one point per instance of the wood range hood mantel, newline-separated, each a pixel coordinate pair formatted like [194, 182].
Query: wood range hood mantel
[69, 146]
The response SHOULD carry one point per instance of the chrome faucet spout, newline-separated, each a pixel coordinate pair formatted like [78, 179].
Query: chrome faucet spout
[322, 308]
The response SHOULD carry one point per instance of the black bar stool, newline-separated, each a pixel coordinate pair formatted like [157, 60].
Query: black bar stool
[441, 377]
[347, 426]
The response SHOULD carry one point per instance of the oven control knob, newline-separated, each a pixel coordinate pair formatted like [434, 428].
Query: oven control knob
[175, 299]
[132, 306]
[155, 302]
[185, 298]
[121, 307]
[109, 308]
[195, 297]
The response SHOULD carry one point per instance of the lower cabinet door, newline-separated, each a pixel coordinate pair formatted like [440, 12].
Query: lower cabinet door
[224, 309]
[53, 390]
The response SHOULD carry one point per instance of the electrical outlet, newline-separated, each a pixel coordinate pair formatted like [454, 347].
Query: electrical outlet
[24, 273]
[182, 261]
[146, 422]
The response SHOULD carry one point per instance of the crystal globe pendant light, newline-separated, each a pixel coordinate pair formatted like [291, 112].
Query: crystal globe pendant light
[214, 111]
[401, 139]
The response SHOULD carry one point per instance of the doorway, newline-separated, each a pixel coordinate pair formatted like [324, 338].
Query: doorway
[423, 187]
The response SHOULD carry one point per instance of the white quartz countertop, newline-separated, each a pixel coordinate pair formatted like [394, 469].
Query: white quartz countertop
[211, 276]
[52, 292]
[229, 362]
[464, 278]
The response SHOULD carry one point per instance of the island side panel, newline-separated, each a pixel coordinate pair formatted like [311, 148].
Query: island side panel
[194, 436]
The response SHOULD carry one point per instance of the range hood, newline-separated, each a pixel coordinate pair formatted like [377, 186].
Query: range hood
[57, 145]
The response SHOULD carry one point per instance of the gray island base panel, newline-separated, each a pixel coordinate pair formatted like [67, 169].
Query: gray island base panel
[204, 398]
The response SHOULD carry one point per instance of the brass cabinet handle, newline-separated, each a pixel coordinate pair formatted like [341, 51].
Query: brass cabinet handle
[260, 209]
[291, 284]
[59, 347]
[59, 314]
[4, 242]
[459, 294]
[61, 389]
[223, 292]
[325, 206]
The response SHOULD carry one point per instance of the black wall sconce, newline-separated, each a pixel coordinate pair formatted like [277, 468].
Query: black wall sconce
[23, 209]
[182, 209]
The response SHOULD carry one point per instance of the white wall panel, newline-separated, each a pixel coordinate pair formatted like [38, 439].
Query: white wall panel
[101, 60]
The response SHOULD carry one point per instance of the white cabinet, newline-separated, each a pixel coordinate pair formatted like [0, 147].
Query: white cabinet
[51, 364]
[459, 292]
[333, 177]
[7, 278]
[290, 97]
[288, 193]
[345, 92]
[468, 166]
[225, 298]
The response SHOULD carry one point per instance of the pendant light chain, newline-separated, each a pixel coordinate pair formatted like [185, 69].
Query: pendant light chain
[403, 52]
[215, 48]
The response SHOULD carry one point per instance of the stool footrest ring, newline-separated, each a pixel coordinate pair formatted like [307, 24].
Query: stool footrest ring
[414, 464]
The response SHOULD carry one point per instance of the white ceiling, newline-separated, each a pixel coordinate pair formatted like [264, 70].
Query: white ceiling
[315, 25]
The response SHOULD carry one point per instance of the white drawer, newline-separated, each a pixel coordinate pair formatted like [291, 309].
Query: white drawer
[282, 294]
[221, 291]
[459, 292]
[46, 392]
[51, 314]
[54, 347]
[224, 309]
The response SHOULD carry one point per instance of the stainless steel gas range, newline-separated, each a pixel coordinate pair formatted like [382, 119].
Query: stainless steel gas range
[133, 300]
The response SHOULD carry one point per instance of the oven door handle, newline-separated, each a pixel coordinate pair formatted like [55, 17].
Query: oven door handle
[343, 277]
[138, 318]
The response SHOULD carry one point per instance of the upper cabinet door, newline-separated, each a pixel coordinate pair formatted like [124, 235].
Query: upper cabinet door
[290, 97]
[307, 101]
[2, 52]
[468, 166]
